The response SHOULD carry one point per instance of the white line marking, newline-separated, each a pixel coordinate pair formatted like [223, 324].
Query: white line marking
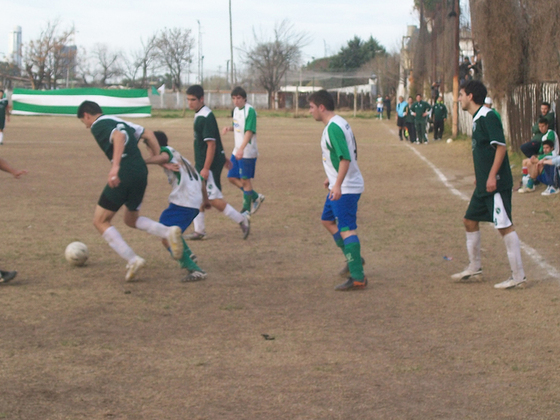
[531, 252]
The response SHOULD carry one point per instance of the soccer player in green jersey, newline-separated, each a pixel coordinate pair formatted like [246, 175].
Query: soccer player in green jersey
[126, 184]
[6, 276]
[491, 200]
[244, 155]
[420, 109]
[5, 109]
[209, 160]
[345, 184]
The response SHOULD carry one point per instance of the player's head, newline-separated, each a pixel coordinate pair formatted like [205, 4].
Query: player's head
[418, 97]
[195, 97]
[488, 102]
[547, 146]
[545, 107]
[1, 93]
[319, 103]
[161, 138]
[410, 99]
[401, 99]
[472, 91]
[543, 125]
[89, 107]
[239, 91]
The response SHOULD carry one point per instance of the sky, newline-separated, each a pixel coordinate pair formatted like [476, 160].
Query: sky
[122, 24]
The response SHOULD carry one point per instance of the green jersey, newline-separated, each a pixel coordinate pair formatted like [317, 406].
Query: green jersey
[487, 134]
[549, 135]
[131, 160]
[439, 111]
[3, 108]
[205, 130]
[419, 108]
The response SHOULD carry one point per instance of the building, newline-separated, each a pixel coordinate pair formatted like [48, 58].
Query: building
[15, 47]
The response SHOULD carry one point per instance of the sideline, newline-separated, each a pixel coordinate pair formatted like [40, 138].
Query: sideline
[531, 252]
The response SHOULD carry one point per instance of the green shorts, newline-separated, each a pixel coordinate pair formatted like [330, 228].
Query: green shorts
[494, 208]
[130, 191]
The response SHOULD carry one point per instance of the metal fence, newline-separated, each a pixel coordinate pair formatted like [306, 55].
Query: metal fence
[214, 99]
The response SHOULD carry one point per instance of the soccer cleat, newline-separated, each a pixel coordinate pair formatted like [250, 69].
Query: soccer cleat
[416, 142]
[345, 271]
[524, 190]
[175, 242]
[6, 276]
[195, 276]
[257, 203]
[245, 225]
[133, 267]
[195, 236]
[351, 284]
[466, 274]
[550, 190]
[510, 283]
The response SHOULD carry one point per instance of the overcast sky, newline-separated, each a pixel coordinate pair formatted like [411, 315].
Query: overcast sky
[122, 23]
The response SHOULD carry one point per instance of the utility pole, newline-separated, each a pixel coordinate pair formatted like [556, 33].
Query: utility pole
[455, 111]
[200, 56]
[231, 43]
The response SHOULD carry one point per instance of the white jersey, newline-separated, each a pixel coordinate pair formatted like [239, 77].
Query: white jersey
[186, 186]
[245, 119]
[338, 143]
[138, 129]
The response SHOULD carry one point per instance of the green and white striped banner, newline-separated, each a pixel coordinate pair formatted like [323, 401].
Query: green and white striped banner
[65, 102]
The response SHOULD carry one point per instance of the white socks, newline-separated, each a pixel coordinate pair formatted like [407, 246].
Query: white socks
[198, 223]
[116, 241]
[514, 255]
[473, 248]
[152, 227]
[2, 137]
[233, 214]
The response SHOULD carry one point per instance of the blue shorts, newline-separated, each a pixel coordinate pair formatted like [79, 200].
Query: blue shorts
[242, 169]
[547, 175]
[343, 211]
[175, 215]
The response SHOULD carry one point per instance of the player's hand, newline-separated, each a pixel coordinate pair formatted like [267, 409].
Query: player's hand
[174, 167]
[18, 174]
[113, 179]
[335, 193]
[491, 184]
[205, 173]
[225, 130]
[229, 165]
[326, 183]
[206, 204]
[239, 154]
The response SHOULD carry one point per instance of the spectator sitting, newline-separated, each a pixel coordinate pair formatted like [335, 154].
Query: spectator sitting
[552, 171]
[489, 104]
[532, 147]
[534, 166]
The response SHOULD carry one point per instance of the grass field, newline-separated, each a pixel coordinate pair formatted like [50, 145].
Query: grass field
[80, 343]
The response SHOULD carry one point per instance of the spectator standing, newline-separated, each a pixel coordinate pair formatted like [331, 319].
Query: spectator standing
[409, 121]
[420, 110]
[439, 113]
[387, 106]
[401, 107]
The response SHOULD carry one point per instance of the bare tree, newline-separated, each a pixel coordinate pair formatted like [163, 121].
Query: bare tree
[107, 63]
[174, 52]
[269, 60]
[130, 67]
[49, 58]
[146, 56]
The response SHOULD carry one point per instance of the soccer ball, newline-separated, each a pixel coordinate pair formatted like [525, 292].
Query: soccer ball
[449, 140]
[76, 253]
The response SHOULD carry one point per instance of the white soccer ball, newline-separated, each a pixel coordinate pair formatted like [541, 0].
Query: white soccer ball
[449, 140]
[76, 253]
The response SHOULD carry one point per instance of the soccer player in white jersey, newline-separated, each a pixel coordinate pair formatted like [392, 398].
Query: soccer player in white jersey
[345, 184]
[5, 109]
[126, 184]
[491, 199]
[244, 155]
[188, 195]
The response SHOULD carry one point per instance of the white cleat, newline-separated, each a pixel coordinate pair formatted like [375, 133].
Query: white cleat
[133, 267]
[510, 283]
[257, 203]
[175, 242]
[245, 225]
[466, 274]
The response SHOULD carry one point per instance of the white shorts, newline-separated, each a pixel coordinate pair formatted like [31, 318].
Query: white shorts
[212, 189]
[501, 218]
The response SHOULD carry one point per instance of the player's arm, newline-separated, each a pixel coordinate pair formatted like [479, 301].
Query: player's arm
[227, 128]
[5, 166]
[491, 183]
[151, 141]
[210, 152]
[118, 138]
[246, 139]
[8, 112]
[336, 189]
[205, 201]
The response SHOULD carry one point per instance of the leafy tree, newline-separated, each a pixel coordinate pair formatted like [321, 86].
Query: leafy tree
[355, 54]
[271, 58]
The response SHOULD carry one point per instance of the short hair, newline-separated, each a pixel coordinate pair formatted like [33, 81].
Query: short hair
[543, 120]
[161, 138]
[322, 97]
[196, 90]
[239, 91]
[2, 90]
[89, 107]
[549, 143]
[546, 103]
[477, 89]
[419, 94]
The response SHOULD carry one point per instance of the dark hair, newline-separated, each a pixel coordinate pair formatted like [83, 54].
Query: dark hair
[89, 107]
[546, 103]
[196, 90]
[549, 143]
[322, 97]
[161, 138]
[239, 91]
[477, 89]
[2, 90]
[543, 120]
[419, 94]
